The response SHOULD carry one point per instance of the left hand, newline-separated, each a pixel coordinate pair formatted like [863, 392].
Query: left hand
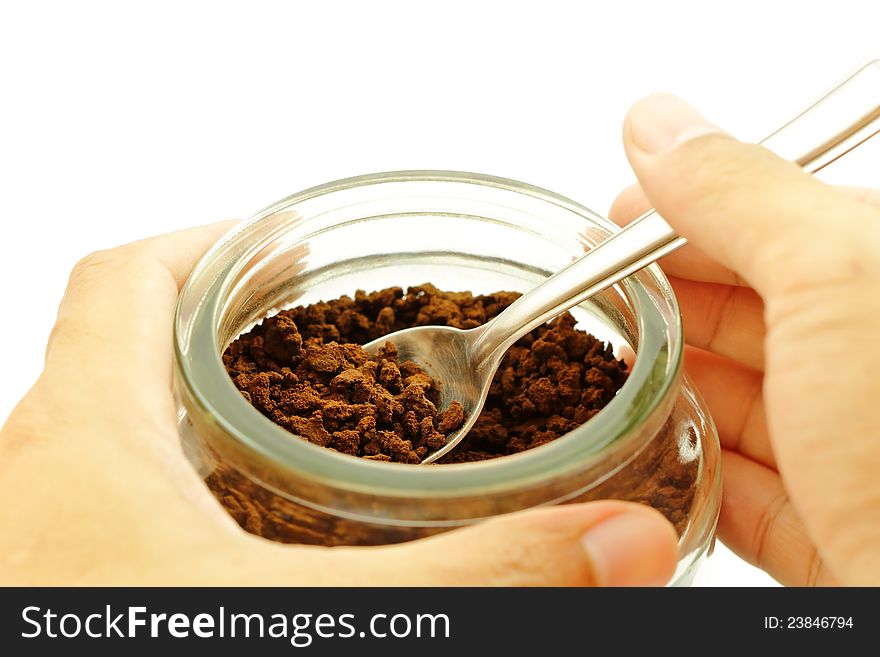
[100, 492]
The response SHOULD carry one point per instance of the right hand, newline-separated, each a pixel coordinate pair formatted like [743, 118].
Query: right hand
[780, 294]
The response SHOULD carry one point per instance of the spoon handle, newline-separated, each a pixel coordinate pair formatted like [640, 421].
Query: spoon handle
[833, 125]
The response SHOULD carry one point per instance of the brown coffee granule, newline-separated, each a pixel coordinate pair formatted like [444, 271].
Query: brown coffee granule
[337, 395]
[304, 369]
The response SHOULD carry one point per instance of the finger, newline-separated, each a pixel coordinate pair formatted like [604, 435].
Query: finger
[687, 262]
[753, 212]
[592, 544]
[734, 396]
[608, 543]
[111, 345]
[725, 319]
[690, 262]
[759, 523]
[118, 300]
[180, 250]
[631, 203]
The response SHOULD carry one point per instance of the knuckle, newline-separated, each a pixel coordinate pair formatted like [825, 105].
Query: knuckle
[101, 266]
[516, 565]
[762, 540]
[96, 260]
[95, 266]
[525, 557]
[100, 279]
[719, 310]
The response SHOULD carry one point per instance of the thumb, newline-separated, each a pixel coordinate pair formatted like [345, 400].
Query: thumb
[593, 544]
[755, 213]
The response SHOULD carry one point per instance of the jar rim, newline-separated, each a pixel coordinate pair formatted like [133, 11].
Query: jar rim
[202, 300]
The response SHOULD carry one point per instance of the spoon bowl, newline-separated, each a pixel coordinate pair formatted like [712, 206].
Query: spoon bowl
[445, 354]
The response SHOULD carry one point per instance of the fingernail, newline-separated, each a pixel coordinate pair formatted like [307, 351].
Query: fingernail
[632, 549]
[661, 122]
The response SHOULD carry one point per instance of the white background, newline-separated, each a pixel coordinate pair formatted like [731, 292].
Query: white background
[122, 120]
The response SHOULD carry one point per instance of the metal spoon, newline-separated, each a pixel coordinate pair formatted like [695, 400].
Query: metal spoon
[465, 361]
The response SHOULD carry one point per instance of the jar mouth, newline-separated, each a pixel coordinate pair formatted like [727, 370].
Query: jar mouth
[644, 398]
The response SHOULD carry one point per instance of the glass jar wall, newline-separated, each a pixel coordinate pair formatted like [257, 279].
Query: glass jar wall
[654, 443]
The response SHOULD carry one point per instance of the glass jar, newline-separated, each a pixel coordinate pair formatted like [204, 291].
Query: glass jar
[653, 443]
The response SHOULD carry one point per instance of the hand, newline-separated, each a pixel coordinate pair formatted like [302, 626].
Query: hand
[780, 295]
[98, 490]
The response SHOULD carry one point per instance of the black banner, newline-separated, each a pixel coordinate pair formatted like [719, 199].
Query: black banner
[431, 621]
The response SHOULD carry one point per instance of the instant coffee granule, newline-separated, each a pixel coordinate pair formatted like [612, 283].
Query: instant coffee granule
[304, 369]
[334, 394]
